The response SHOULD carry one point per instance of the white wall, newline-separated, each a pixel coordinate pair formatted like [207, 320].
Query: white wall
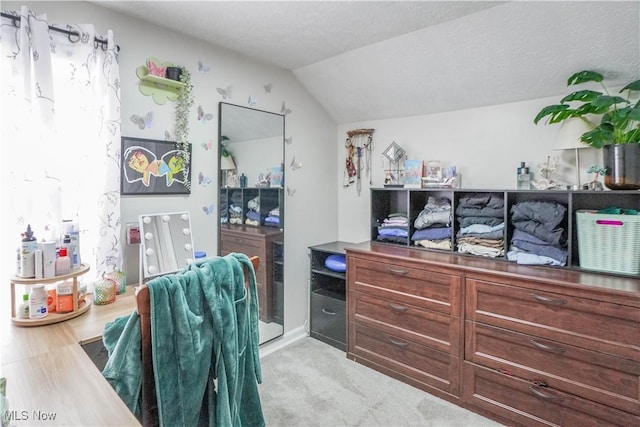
[310, 212]
[486, 144]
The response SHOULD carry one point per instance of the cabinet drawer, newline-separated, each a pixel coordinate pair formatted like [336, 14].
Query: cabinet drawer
[430, 328]
[401, 282]
[602, 326]
[413, 361]
[328, 318]
[596, 376]
[528, 404]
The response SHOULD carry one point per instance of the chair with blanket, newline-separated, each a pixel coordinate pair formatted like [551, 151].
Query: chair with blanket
[149, 406]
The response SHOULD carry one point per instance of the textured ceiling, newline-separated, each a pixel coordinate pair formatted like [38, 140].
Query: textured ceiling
[375, 60]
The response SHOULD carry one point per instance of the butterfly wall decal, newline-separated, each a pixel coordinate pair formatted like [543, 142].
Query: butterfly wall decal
[289, 140]
[284, 110]
[252, 101]
[208, 209]
[226, 93]
[203, 180]
[295, 165]
[202, 116]
[156, 70]
[291, 191]
[143, 122]
[207, 145]
[267, 87]
[202, 68]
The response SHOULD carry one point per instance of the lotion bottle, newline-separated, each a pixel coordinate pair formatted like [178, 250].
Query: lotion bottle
[23, 310]
[27, 254]
[63, 263]
[38, 302]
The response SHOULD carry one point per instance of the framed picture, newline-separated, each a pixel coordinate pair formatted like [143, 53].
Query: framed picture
[155, 167]
[433, 171]
[413, 173]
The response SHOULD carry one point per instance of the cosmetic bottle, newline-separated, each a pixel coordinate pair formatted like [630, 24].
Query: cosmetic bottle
[23, 310]
[523, 177]
[38, 302]
[243, 181]
[63, 263]
[28, 249]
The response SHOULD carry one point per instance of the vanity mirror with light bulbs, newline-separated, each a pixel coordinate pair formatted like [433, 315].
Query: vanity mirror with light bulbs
[251, 213]
[166, 244]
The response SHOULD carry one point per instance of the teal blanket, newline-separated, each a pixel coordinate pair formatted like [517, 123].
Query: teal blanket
[204, 329]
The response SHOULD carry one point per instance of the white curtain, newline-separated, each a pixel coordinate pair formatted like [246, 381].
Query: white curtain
[61, 137]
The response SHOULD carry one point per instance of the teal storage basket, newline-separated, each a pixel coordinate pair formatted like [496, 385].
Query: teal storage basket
[609, 243]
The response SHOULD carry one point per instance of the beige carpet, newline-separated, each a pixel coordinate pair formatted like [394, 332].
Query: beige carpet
[309, 383]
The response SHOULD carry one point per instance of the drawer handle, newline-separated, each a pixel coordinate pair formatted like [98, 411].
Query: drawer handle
[329, 312]
[397, 307]
[547, 300]
[537, 393]
[550, 348]
[402, 271]
[401, 344]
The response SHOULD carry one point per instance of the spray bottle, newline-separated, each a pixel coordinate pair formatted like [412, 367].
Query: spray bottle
[28, 249]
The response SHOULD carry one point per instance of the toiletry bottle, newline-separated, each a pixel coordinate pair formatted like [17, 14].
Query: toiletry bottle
[243, 181]
[23, 310]
[64, 293]
[27, 254]
[523, 177]
[38, 302]
[63, 263]
[71, 228]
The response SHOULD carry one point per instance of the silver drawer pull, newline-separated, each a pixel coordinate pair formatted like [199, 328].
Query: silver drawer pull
[537, 393]
[397, 307]
[329, 312]
[402, 344]
[547, 300]
[549, 348]
[402, 271]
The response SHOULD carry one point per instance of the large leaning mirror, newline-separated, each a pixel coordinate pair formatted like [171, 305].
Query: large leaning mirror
[251, 214]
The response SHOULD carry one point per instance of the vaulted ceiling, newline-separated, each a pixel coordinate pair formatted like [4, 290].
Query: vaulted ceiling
[368, 60]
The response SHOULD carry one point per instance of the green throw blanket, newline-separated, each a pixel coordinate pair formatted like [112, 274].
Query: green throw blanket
[204, 329]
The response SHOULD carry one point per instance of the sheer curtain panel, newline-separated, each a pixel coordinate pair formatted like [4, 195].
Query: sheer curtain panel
[60, 137]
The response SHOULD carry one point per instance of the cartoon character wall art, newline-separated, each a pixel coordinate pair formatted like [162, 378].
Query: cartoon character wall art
[153, 167]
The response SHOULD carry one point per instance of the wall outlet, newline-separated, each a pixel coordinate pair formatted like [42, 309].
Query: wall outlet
[133, 234]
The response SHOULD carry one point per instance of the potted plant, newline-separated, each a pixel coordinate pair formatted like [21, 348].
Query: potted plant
[184, 102]
[618, 130]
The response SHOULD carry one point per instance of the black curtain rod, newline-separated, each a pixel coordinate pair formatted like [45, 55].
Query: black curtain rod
[70, 34]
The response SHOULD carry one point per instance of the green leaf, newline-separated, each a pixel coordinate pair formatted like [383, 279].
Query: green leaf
[550, 110]
[607, 101]
[582, 95]
[584, 76]
[633, 86]
[599, 137]
[634, 114]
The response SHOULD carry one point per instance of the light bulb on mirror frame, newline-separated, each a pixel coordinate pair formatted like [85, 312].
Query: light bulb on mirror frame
[185, 217]
[189, 261]
[148, 235]
[186, 231]
[149, 251]
[187, 247]
[166, 218]
[151, 269]
[146, 220]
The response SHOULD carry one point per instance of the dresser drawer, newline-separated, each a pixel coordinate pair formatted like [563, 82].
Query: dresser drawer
[426, 327]
[599, 325]
[328, 319]
[596, 376]
[529, 404]
[413, 361]
[407, 284]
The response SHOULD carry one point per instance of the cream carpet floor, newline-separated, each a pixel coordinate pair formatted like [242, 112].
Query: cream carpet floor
[310, 383]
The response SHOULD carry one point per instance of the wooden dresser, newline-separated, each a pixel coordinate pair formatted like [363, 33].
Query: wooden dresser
[254, 241]
[522, 345]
